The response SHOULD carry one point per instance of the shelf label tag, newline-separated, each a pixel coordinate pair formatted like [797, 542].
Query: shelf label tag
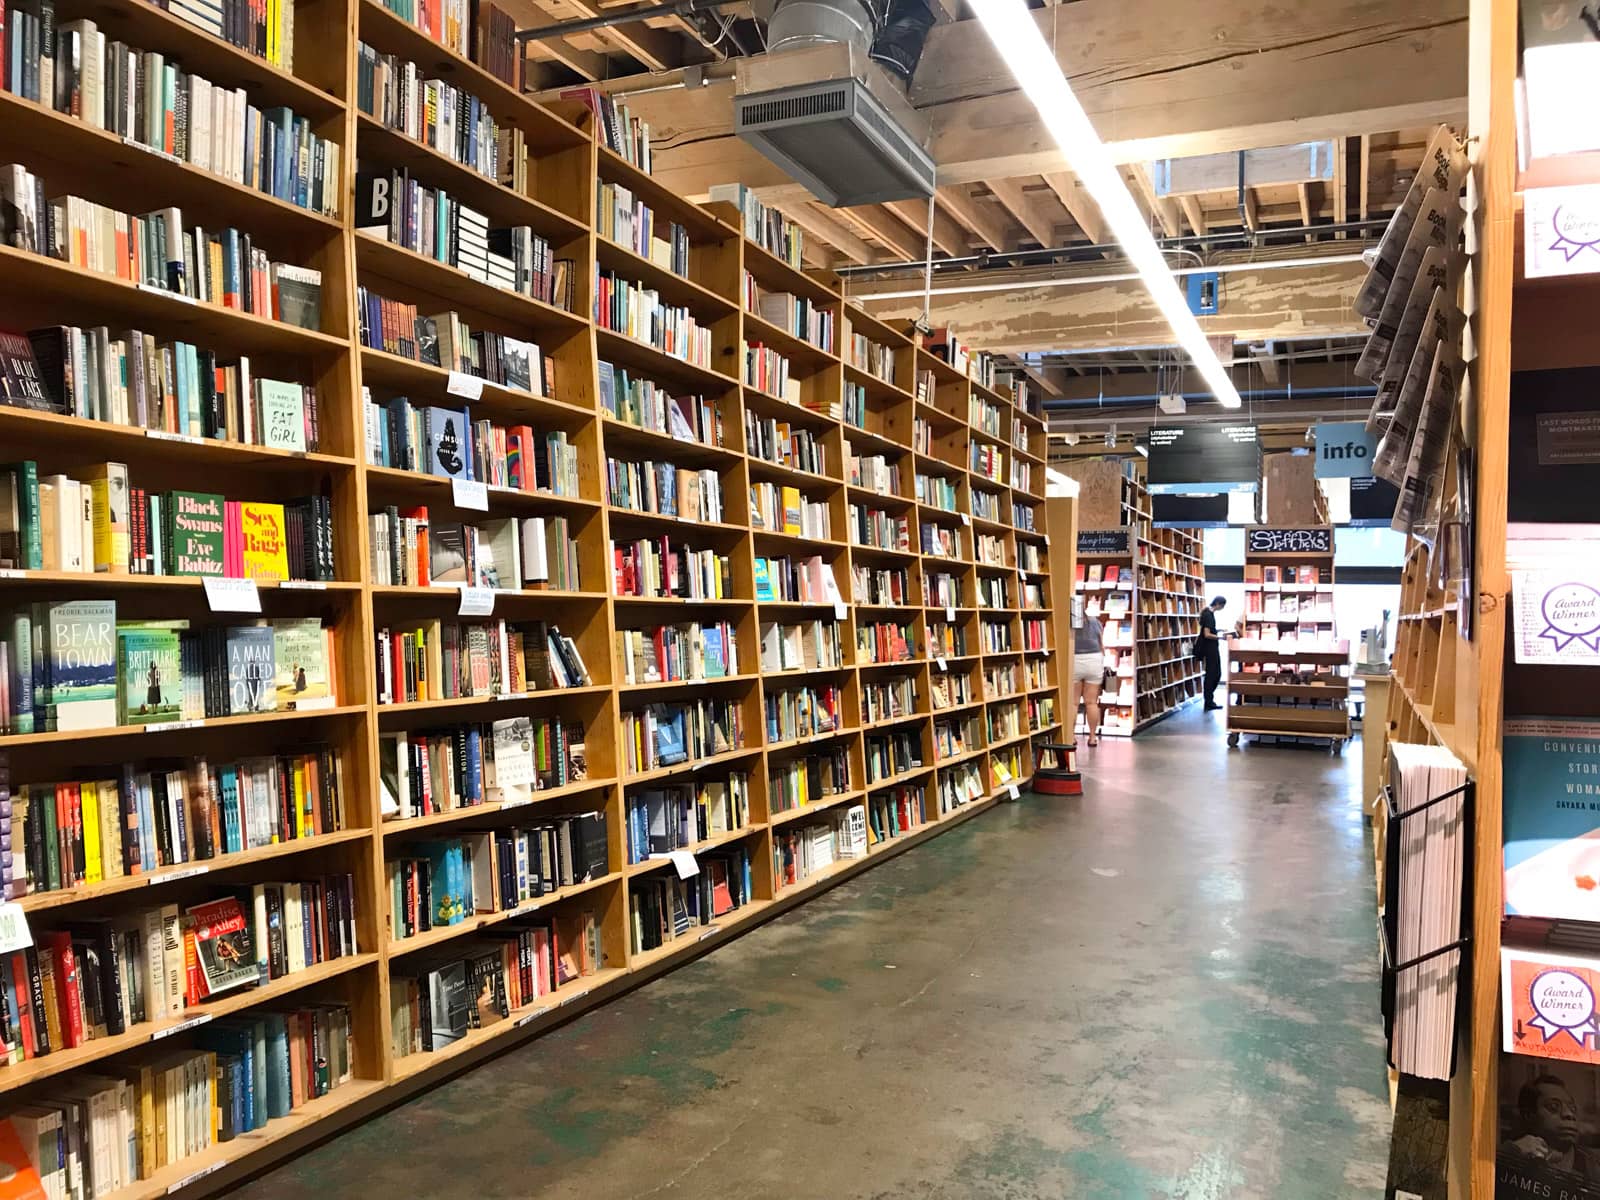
[476, 602]
[841, 610]
[943, 665]
[529, 1018]
[169, 726]
[14, 932]
[138, 145]
[469, 493]
[966, 518]
[196, 1176]
[708, 931]
[949, 614]
[468, 387]
[12, 573]
[572, 999]
[1013, 791]
[688, 866]
[302, 585]
[187, 873]
[181, 1027]
[232, 595]
[188, 439]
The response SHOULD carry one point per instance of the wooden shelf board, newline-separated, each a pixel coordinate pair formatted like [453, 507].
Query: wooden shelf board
[704, 846]
[10, 741]
[627, 263]
[452, 286]
[400, 947]
[451, 816]
[789, 815]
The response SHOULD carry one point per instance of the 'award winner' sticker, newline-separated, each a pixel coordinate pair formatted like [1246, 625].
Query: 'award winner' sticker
[1556, 615]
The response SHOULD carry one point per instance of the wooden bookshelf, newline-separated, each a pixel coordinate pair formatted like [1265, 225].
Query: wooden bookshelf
[994, 648]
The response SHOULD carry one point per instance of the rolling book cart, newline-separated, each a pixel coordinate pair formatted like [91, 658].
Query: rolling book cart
[784, 571]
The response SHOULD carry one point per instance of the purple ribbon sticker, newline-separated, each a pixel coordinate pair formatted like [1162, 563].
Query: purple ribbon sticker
[1571, 613]
[1563, 1002]
[1576, 231]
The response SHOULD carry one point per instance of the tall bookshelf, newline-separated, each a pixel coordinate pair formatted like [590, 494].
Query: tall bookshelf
[1153, 606]
[960, 684]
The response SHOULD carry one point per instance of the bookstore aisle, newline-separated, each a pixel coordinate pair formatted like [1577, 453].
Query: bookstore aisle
[1192, 1016]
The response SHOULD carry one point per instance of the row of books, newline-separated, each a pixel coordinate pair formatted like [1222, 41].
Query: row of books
[516, 553]
[954, 736]
[106, 1132]
[451, 660]
[808, 580]
[766, 227]
[1000, 681]
[499, 762]
[783, 509]
[434, 112]
[873, 527]
[667, 735]
[156, 251]
[448, 443]
[71, 665]
[787, 445]
[803, 849]
[943, 541]
[660, 568]
[880, 585]
[662, 908]
[987, 461]
[888, 699]
[437, 1002]
[145, 817]
[989, 550]
[896, 811]
[803, 646]
[671, 653]
[767, 370]
[147, 98]
[622, 133]
[959, 786]
[864, 354]
[946, 639]
[797, 712]
[445, 340]
[677, 817]
[853, 407]
[940, 589]
[445, 881]
[885, 642]
[891, 753]
[1022, 476]
[797, 316]
[1041, 712]
[263, 29]
[986, 506]
[1035, 633]
[993, 592]
[431, 222]
[809, 778]
[937, 491]
[1274, 577]
[666, 489]
[984, 415]
[950, 689]
[476, 30]
[875, 472]
[646, 404]
[635, 311]
[994, 637]
[621, 217]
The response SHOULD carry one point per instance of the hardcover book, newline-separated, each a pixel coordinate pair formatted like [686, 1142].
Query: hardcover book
[301, 680]
[149, 679]
[1541, 1149]
[82, 645]
[298, 295]
[1551, 817]
[197, 529]
[223, 946]
[447, 553]
[265, 548]
[447, 442]
[281, 414]
[250, 670]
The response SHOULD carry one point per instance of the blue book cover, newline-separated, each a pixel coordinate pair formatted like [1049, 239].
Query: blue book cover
[716, 663]
[670, 737]
[1551, 817]
[82, 647]
[447, 442]
[763, 581]
[474, 764]
[277, 1042]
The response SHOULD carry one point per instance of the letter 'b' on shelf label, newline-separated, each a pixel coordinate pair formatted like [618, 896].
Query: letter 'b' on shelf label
[476, 602]
[468, 387]
[469, 493]
[232, 595]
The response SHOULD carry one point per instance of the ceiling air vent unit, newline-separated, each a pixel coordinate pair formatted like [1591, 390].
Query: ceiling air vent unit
[836, 138]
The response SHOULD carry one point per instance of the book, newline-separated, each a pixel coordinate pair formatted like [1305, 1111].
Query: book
[281, 414]
[297, 295]
[264, 547]
[251, 669]
[300, 650]
[1550, 819]
[149, 678]
[80, 642]
[196, 534]
[1541, 1149]
[223, 946]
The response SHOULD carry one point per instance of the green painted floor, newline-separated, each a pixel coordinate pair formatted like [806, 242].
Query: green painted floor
[1165, 988]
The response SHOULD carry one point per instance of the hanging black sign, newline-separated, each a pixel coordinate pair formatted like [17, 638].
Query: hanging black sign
[1103, 541]
[1267, 540]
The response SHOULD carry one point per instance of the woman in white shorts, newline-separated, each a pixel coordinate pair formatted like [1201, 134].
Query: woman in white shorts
[1088, 673]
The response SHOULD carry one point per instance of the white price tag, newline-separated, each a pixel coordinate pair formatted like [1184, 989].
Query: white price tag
[708, 932]
[187, 873]
[468, 387]
[232, 595]
[841, 610]
[950, 614]
[469, 493]
[11, 573]
[181, 1027]
[169, 726]
[188, 439]
[303, 585]
[1013, 791]
[531, 1017]
[688, 866]
[966, 519]
[138, 145]
[14, 932]
[572, 999]
[476, 602]
[516, 802]
[197, 1176]
[942, 664]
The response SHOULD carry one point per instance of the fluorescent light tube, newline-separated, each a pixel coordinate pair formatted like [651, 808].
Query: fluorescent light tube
[1011, 27]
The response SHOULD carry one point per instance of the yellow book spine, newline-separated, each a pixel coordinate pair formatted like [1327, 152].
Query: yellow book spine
[89, 799]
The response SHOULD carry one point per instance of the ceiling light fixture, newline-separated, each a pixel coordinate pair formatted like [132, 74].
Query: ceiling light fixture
[1012, 29]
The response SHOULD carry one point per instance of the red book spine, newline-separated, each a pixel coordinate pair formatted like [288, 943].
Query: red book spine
[69, 993]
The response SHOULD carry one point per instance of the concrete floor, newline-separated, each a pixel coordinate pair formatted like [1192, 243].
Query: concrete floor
[1166, 988]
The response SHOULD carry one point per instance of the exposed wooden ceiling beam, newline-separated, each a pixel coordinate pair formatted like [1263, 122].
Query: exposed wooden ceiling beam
[948, 235]
[1025, 209]
[1258, 305]
[1166, 211]
[585, 62]
[1156, 81]
[657, 49]
[1194, 214]
[832, 231]
[1077, 201]
[1366, 172]
[1108, 385]
[886, 228]
[958, 202]
[1341, 184]
[1252, 220]
[1304, 191]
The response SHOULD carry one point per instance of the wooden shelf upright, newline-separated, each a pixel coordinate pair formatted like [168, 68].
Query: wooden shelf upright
[947, 644]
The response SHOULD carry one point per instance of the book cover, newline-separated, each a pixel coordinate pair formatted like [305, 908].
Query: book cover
[297, 293]
[250, 670]
[281, 414]
[1542, 1149]
[1548, 1004]
[447, 442]
[512, 775]
[447, 553]
[109, 500]
[264, 547]
[1551, 817]
[197, 534]
[223, 946]
[82, 641]
[301, 680]
[149, 680]
[448, 1003]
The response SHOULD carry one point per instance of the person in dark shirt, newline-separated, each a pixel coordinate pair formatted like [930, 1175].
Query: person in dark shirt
[1209, 649]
